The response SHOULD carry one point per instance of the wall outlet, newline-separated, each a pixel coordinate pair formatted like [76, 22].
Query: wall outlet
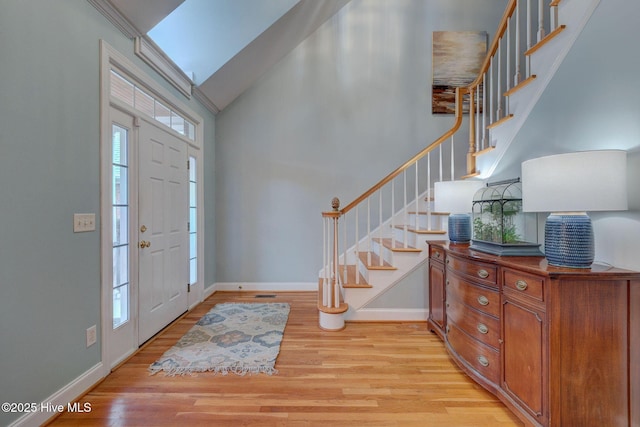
[84, 222]
[91, 336]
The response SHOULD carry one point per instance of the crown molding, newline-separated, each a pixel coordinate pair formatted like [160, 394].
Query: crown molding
[150, 53]
[115, 17]
[204, 100]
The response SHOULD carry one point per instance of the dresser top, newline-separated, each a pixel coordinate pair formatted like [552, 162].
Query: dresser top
[533, 264]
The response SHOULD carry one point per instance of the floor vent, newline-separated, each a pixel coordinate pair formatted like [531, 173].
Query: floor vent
[265, 296]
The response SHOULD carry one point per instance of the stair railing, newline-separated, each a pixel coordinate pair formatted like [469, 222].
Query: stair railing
[380, 206]
[502, 73]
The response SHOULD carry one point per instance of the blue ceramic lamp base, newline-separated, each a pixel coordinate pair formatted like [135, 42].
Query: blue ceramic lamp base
[568, 240]
[459, 228]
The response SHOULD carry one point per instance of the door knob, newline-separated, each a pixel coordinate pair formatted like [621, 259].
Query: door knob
[143, 228]
[144, 244]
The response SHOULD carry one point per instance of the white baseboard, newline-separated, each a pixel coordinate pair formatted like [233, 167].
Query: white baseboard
[209, 291]
[63, 398]
[264, 286]
[388, 315]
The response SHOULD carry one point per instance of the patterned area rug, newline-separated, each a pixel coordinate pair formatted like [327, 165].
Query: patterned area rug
[233, 337]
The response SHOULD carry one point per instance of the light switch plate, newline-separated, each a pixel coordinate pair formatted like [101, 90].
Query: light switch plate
[84, 222]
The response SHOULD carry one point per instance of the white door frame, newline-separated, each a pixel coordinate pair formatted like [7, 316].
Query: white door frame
[112, 59]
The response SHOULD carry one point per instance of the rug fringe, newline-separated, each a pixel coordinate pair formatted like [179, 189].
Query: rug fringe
[222, 370]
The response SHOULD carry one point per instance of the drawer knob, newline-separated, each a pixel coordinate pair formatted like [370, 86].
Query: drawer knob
[448, 305]
[482, 328]
[482, 300]
[483, 273]
[437, 254]
[447, 281]
[447, 261]
[447, 329]
[483, 361]
[521, 285]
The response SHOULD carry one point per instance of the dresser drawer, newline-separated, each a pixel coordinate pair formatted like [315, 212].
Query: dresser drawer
[478, 271]
[481, 357]
[523, 284]
[483, 299]
[436, 253]
[482, 327]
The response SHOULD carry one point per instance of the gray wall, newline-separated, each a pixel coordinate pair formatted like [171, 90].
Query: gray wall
[592, 103]
[50, 169]
[345, 108]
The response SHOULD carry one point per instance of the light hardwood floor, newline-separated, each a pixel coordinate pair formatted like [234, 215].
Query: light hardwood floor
[369, 374]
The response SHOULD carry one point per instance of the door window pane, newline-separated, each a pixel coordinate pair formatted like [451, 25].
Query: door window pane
[193, 222]
[120, 224]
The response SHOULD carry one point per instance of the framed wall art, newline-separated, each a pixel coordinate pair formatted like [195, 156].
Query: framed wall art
[457, 58]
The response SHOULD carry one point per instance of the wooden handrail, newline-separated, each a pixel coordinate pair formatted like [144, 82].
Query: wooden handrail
[502, 28]
[460, 91]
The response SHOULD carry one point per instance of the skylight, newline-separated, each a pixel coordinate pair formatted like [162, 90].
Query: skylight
[200, 36]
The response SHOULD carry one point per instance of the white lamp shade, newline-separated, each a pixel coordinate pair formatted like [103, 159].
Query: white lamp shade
[575, 182]
[455, 196]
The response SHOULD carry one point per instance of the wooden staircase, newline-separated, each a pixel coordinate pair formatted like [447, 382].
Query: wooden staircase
[361, 263]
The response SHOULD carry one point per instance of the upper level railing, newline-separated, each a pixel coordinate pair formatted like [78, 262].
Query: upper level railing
[526, 26]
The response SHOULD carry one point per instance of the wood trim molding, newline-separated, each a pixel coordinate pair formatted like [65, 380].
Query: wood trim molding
[206, 102]
[116, 18]
[150, 53]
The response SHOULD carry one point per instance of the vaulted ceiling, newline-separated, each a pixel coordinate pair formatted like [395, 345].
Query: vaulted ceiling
[224, 46]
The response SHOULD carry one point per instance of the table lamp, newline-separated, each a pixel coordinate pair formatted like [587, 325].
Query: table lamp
[567, 186]
[456, 198]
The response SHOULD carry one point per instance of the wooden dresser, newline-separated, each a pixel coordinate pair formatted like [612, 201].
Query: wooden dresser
[559, 346]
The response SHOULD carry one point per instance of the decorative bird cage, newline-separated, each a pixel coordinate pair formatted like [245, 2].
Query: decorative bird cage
[499, 225]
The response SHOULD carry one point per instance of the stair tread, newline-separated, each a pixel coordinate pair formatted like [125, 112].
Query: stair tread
[520, 85]
[501, 121]
[470, 175]
[483, 151]
[546, 39]
[421, 231]
[398, 247]
[352, 270]
[330, 310]
[375, 262]
[432, 213]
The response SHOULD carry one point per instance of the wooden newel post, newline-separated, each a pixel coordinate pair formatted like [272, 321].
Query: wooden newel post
[332, 308]
[331, 296]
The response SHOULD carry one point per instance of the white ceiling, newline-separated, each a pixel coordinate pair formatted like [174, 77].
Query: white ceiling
[226, 45]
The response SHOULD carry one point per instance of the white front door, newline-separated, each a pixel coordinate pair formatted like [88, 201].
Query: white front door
[163, 236]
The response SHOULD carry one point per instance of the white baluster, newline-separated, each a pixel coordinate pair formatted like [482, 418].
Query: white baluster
[499, 93]
[440, 160]
[357, 246]
[380, 247]
[452, 161]
[508, 66]
[336, 273]
[529, 30]
[484, 111]
[429, 191]
[393, 213]
[369, 248]
[541, 32]
[416, 216]
[516, 76]
[325, 267]
[491, 91]
[405, 234]
[478, 114]
[344, 259]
